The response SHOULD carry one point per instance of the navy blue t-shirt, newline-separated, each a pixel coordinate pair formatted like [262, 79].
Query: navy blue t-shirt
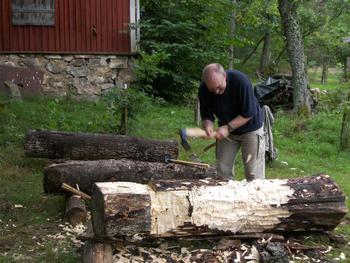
[237, 99]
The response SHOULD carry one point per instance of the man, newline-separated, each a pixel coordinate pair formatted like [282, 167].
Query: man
[228, 95]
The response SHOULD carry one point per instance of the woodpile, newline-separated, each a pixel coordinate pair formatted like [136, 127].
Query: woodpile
[136, 196]
[277, 93]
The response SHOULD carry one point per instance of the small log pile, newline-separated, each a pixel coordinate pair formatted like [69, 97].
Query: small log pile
[277, 93]
[78, 160]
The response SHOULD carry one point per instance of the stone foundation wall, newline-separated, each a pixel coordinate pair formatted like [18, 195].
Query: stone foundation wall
[75, 75]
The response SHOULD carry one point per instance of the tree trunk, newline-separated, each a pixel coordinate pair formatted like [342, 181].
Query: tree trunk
[75, 210]
[197, 112]
[301, 95]
[346, 69]
[207, 207]
[324, 75]
[266, 54]
[233, 25]
[97, 252]
[345, 128]
[88, 146]
[86, 173]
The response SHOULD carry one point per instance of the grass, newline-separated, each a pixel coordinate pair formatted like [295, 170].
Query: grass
[333, 80]
[308, 146]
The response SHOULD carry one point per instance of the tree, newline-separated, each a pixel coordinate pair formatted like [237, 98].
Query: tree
[325, 23]
[179, 37]
[292, 32]
[345, 129]
[232, 34]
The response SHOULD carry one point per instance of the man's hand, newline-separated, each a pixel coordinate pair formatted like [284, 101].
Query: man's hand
[210, 132]
[209, 128]
[222, 132]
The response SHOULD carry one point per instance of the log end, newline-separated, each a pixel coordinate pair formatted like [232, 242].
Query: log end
[121, 209]
[75, 210]
[98, 252]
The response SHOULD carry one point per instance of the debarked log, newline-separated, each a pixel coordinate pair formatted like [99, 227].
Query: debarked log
[86, 173]
[211, 207]
[89, 146]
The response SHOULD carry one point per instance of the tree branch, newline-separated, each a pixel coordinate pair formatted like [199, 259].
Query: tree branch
[253, 51]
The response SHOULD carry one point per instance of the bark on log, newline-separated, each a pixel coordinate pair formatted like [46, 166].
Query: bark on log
[98, 253]
[88, 146]
[86, 173]
[206, 207]
[75, 210]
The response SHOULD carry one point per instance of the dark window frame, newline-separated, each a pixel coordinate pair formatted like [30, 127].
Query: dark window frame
[33, 12]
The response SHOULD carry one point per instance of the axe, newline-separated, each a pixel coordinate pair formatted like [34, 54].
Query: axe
[193, 133]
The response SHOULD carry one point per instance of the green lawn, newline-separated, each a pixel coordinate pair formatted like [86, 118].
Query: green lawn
[308, 146]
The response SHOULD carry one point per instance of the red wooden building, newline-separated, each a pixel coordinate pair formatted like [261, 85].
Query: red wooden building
[68, 26]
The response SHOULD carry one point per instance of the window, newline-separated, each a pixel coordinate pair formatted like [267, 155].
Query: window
[33, 12]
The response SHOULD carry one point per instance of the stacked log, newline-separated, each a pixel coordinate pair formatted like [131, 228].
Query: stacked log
[86, 173]
[211, 207]
[88, 146]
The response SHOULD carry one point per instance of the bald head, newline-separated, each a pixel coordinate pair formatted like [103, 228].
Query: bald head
[214, 76]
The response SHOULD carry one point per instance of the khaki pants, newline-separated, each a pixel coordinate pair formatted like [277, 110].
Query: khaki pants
[253, 154]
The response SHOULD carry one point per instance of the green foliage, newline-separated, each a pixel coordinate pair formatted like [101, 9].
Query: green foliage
[125, 101]
[178, 39]
[335, 100]
[324, 27]
[135, 101]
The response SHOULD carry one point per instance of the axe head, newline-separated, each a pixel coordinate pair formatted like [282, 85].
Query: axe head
[184, 142]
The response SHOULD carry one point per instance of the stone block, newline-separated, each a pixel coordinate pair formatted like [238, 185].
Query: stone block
[77, 72]
[56, 67]
[119, 62]
[126, 76]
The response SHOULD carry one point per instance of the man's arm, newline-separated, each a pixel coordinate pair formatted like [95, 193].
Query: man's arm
[238, 122]
[209, 128]
[224, 130]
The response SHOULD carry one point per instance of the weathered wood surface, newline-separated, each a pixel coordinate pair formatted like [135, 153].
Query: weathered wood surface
[86, 173]
[97, 252]
[207, 207]
[75, 210]
[88, 146]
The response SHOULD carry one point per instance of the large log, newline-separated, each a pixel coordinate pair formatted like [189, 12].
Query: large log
[86, 173]
[88, 146]
[207, 207]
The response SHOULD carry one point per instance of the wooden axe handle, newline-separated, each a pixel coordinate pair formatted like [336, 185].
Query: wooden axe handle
[196, 133]
[205, 165]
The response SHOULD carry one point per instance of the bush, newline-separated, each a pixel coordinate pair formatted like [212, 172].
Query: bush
[134, 101]
[334, 100]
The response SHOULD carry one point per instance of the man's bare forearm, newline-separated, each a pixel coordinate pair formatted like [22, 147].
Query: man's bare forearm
[238, 122]
[209, 128]
[208, 124]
